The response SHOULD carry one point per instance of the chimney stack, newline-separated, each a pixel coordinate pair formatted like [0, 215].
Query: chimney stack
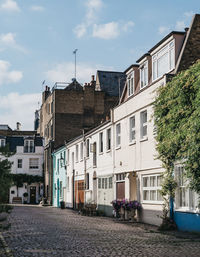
[18, 126]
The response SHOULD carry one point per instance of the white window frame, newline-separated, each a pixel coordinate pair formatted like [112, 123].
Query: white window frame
[2, 142]
[130, 84]
[108, 139]
[81, 151]
[183, 186]
[68, 156]
[150, 188]
[29, 145]
[144, 75]
[87, 148]
[167, 49]
[132, 129]
[101, 142]
[77, 153]
[34, 166]
[118, 135]
[143, 125]
[19, 163]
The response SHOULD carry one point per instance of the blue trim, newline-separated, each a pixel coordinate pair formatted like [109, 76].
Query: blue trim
[187, 221]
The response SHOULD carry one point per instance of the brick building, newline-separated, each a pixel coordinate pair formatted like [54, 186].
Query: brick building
[67, 110]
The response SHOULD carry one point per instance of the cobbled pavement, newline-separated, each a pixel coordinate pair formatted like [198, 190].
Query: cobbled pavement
[47, 231]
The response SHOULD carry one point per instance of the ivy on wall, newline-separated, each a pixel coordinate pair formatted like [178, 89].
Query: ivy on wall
[19, 179]
[177, 127]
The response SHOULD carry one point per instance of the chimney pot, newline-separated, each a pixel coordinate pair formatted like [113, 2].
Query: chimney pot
[46, 88]
[186, 29]
[92, 77]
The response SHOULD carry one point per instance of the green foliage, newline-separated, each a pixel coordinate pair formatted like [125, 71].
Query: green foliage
[177, 127]
[5, 179]
[19, 179]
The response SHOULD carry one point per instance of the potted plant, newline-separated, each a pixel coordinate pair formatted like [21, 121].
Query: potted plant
[25, 195]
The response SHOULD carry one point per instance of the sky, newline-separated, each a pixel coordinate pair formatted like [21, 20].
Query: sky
[38, 37]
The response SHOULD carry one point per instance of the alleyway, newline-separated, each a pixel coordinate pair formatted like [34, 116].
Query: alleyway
[53, 232]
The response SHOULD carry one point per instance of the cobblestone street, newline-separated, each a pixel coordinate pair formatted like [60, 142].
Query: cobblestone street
[48, 231]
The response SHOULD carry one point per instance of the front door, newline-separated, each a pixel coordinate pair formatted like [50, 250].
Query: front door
[33, 194]
[120, 190]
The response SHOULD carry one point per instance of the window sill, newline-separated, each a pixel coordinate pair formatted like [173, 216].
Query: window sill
[108, 151]
[118, 147]
[100, 153]
[143, 139]
[81, 160]
[133, 142]
[94, 166]
[152, 202]
[186, 210]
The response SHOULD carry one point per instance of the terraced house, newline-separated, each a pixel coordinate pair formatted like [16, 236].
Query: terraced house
[117, 160]
[27, 164]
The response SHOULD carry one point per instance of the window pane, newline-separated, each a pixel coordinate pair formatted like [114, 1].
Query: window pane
[159, 180]
[153, 181]
[99, 182]
[159, 196]
[153, 195]
[145, 181]
[145, 195]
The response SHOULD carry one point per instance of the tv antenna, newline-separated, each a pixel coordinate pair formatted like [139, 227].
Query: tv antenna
[74, 52]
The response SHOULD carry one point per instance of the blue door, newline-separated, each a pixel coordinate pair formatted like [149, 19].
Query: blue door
[58, 193]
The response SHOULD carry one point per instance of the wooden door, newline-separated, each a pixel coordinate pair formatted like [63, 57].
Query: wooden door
[120, 190]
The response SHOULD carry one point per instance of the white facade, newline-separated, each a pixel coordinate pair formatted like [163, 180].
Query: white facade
[30, 163]
[93, 167]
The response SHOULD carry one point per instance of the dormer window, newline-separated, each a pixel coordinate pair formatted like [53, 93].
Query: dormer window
[28, 146]
[2, 142]
[130, 83]
[163, 61]
[144, 75]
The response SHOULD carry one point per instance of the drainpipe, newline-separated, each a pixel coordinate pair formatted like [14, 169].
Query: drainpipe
[73, 189]
[171, 205]
[84, 163]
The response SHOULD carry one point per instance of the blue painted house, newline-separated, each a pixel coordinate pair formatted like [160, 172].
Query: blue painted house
[59, 176]
[185, 207]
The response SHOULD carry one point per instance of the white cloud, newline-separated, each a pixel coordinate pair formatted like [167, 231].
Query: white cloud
[8, 76]
[80, 30]
[17, 107]
[180, 25]
[189, 14]
[92, 9]
[64, 72]
[127, 26]
[106, 31]
[163, 30]
[8, 40]
[112, 29]
[10, 5]
[37, 8]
